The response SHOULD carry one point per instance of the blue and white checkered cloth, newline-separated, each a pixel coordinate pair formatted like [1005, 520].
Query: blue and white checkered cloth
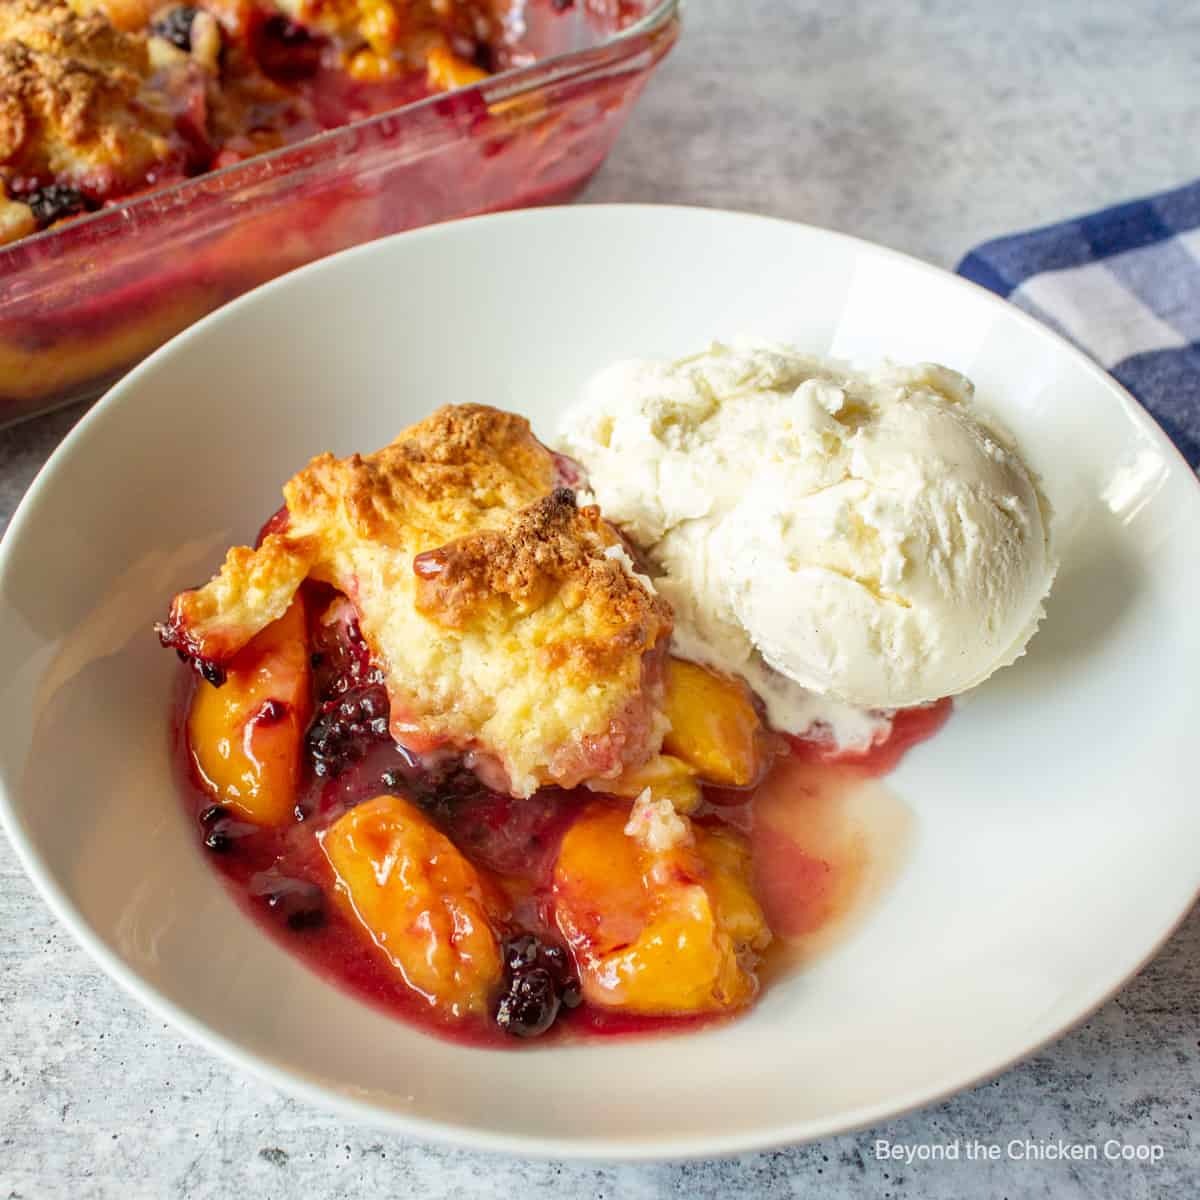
[1123, 285]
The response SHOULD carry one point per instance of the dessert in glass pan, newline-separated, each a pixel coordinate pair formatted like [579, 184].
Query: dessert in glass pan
[158, 159]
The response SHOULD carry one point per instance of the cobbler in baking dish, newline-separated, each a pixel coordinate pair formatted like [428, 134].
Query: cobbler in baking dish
[101, 99]
[436, 737]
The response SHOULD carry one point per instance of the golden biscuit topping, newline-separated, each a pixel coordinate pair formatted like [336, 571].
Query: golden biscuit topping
[503, 627]
[72, 98]
[549, 545]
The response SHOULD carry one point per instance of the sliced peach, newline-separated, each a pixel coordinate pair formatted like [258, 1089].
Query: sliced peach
[447, 71]
[423, 903]
[667, 778]
[714, 726]
[667, 932]
[727, 854]
[246, 736]
[128, 15]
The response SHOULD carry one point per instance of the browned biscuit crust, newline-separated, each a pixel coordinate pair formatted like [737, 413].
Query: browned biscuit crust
[505, 622]
[74, 107]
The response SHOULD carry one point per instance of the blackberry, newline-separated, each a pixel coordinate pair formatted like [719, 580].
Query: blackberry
[538, 981]
[224, 831]
[204, 667]
[521, 952]
[342, 659]
[55, 202]
[286, 50]
[210, 671]
[352, 707]
[297, 902]
[218, 841]
[486, 59]
[530, 1004]
[176, 26]
[344, 727]
[443, 789]
[171, 636]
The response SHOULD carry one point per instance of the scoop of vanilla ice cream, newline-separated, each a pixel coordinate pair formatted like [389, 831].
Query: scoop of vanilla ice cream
[845, 541]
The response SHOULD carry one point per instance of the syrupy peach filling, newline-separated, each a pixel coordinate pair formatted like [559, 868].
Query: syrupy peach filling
[405, 879]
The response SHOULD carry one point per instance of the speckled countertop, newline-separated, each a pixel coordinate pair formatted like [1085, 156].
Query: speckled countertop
[928, 125]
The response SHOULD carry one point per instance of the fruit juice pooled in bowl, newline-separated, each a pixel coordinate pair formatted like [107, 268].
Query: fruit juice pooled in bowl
[515, 742]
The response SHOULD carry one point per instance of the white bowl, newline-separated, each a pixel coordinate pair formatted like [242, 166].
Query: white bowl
[1056, 823]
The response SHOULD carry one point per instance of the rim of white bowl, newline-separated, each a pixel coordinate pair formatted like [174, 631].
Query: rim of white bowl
[466, 1136]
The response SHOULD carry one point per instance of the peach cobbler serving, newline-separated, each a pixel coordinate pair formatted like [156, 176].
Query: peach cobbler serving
[499, 739]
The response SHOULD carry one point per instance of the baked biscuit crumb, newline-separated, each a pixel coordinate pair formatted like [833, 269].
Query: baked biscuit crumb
[503, 627]
[74, 106]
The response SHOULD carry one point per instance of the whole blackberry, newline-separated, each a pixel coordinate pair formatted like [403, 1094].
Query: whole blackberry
[344, 727]
[538, 981]
[285, 50]
[55, 202]
[352, 706]
[175, 26]
[443, 788]
[530, 1004]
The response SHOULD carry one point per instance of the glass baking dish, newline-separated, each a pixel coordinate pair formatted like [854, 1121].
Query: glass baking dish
[81, 303]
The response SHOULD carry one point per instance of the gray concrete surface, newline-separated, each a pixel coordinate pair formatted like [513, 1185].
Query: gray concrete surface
[928, 126]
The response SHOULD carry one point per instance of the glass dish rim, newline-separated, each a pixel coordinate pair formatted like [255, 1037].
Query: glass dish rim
[505, 85]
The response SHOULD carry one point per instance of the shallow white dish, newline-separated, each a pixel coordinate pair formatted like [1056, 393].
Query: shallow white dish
[1055, 818]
